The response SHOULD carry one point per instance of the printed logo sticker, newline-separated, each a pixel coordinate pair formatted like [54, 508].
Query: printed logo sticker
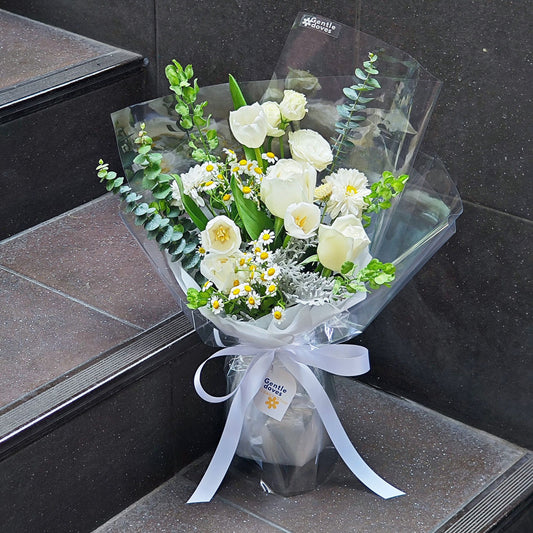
[329, 27]
[276, 393]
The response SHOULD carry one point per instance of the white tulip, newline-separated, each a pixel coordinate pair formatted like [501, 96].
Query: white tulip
[345, 240]
[302, 220]
[273, 116]
[249, 125]
[222, 270]
[221, 235]
[292, 106]
[287, 182]
[310, 146]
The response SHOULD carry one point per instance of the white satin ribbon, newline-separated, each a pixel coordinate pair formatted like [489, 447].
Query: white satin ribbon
[340, 359]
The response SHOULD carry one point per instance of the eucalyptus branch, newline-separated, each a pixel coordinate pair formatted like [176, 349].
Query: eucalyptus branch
[348, 112]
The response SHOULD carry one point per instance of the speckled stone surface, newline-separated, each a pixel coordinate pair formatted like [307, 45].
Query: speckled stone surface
[440, 464]
[69, 290]
[30, 50]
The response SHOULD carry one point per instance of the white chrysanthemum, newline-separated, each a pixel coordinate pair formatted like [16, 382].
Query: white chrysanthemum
[272, 272]
[349, 188]
[192, 182]
[176, 195]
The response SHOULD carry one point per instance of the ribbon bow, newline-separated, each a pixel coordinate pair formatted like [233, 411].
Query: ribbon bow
[340, 359]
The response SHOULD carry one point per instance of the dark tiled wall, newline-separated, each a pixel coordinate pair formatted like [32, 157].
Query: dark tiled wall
[458, 338]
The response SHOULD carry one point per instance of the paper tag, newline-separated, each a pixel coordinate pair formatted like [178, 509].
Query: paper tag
[321, 24]
[276, 393]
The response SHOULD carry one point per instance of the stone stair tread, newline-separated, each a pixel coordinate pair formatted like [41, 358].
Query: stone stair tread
[70, 289]
[36, 58]
[444, 466]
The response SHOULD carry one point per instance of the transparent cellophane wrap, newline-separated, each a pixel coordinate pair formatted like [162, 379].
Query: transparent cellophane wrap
[419, 222]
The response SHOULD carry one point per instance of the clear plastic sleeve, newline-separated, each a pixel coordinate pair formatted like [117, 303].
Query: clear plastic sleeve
[419, 222]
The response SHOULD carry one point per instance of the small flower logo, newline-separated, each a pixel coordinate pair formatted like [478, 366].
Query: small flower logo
[272, 402]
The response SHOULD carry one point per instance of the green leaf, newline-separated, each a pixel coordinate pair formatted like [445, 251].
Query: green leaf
[254, 220]
[191, 262]
[196, 214]
[347, 267]
[236, 93]
[360, 74]
[373, 83]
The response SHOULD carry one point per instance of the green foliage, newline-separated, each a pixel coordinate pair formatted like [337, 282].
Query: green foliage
[374, 275]
[164, 223]
[253, 219]
[240, 101]
[349, 112]
[382, 192]
[191, 113]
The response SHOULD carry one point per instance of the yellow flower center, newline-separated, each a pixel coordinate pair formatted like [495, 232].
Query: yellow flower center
[272, 288]
[216, 304]
[226, 197]
[351, 190]
[243, 162]
[242, 260]
[201, 250]
[271, 271]
[210, 168]
[266, 237]
[251, 300]
[270, 155]
[264, 255]
[236, 291]
[209, 183]
[246, 190]
[247, 288]
[258, 170]
[235, 283]
[220, 176]
[222, 234]
[300, 221]
[235, 169]
[277, 315]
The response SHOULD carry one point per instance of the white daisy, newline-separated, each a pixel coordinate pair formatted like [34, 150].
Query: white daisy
[348, 191]
[272, 272]
[266, 237]
[253, 300]
[230, 154]
[216, 304]
[235, 292]
[270, 157]
[278, 313]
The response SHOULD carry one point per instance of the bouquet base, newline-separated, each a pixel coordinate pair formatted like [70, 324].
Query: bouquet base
[289, 480]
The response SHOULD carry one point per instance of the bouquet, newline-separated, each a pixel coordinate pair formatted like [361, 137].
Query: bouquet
[283, 216]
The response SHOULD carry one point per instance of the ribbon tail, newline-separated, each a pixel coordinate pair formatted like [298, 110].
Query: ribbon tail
[223, 455]
[337, 433]
[231, 434]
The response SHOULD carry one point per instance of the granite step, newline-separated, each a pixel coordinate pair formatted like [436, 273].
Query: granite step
[57, 91]
[456, 479]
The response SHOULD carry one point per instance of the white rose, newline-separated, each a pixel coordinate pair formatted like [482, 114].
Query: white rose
[221, 235]
[287, 182]
[301, 220]
[221, 269]
[249, 125]
[310, 146]
[273, 116]
[292, 106]
[343, 241]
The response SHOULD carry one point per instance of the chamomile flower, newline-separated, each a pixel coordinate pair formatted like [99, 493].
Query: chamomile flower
[272, 272]
[207, 285]
[202, 251]
[211, 168]
[270, 157]
[263, 256]
[216, 304]
[247, 191]
[271, 288]
[235, 292]
[253, 300]
[266, 237]
[278, 313]
[247, 288]
[230, 154]
[209, 185]
[227, 198]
